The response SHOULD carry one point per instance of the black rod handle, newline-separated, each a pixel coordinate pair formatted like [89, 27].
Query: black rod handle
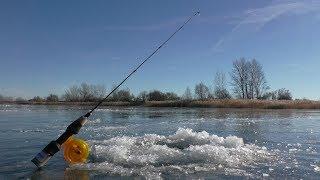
[54, 146]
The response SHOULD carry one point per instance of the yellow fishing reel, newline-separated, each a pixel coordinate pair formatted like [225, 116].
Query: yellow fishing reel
[75, 150]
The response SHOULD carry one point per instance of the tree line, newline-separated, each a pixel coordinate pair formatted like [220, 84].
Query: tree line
[247, 81]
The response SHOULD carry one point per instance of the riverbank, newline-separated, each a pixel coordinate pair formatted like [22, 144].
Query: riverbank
[236, 103]
[231, 103]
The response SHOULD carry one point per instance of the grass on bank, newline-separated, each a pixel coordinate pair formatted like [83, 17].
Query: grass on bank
[228, 103]
[237, 103]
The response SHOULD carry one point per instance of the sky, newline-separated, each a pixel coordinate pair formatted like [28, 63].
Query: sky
[47, 46]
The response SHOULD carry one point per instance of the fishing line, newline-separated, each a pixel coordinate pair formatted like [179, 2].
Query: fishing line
[76, 150]
[145, 60]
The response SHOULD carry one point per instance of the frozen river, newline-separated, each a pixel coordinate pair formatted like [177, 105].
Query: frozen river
[161, 143]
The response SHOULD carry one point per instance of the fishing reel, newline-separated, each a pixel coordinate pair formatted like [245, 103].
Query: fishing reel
[75, 150]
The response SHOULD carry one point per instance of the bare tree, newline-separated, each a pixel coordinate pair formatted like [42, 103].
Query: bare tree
[239, 77]
[211, 94]
[156, 95]
[171, 96]
[114, 96]
[37, 99]
[72, 94]
[52, 98]
[92, 92]
[257, 82]
[187, 94]
[143, 96]
[201, 91]
[269, 95]
[84, 92]
[248, 79]
[124, 95]
[284, 94]
[98, 91]
[220, 88]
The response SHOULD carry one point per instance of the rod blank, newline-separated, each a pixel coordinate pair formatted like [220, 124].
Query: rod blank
[145, 60]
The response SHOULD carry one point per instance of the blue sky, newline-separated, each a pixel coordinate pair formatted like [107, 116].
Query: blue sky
[47, 46]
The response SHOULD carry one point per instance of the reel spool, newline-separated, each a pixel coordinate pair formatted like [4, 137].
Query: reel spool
[75, 150]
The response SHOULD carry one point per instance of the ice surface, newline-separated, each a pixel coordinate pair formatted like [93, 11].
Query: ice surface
[184, 152]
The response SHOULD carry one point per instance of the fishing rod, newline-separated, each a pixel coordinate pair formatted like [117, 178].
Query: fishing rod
[79, 149]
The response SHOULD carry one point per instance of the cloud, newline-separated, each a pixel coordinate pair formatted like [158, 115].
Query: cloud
[259, 17]
[217, 46]
[173, 23]
[262, 16]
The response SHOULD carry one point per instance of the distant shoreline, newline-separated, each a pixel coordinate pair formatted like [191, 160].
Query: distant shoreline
[230, 103]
